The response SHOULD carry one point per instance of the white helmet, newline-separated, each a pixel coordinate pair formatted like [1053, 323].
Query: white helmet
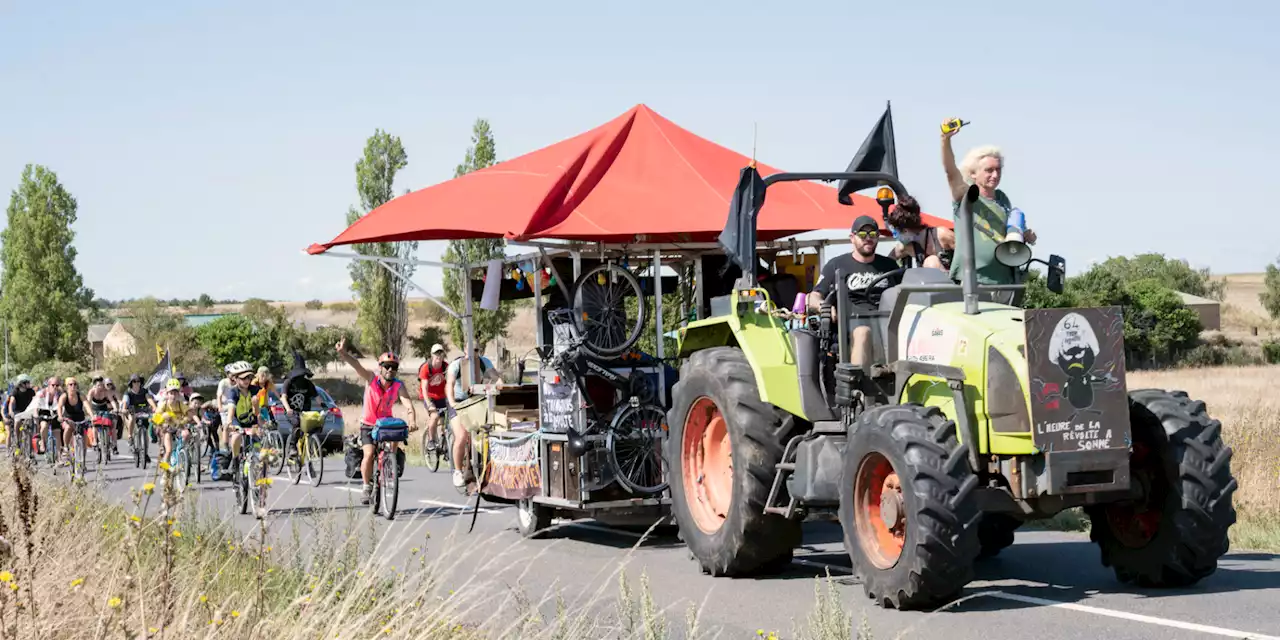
[239, 367]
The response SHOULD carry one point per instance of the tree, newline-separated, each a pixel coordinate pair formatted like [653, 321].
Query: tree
[258, 309]
[1270, 296]
[383, 319]
[1173, 274]
[42, 291]
[204, 302]
[487, 324]
[153, 324]
[427, 336]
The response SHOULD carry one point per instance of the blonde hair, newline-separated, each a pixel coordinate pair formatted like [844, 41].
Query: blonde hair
[975, 155]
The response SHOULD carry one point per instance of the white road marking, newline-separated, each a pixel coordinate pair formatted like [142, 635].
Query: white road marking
[1098, 611]
[465, 508]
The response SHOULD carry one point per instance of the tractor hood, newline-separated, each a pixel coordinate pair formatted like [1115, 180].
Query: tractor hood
[944, 334]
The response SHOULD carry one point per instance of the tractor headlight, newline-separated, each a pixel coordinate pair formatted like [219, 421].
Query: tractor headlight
[1006, 405]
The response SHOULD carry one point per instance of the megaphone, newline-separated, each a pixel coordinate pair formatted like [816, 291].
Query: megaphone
[1014, 252]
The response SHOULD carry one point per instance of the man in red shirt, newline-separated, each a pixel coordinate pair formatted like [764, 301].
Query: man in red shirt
[431, 379]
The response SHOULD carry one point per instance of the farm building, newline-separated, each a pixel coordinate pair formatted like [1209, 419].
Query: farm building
[1210, 311]
[106, 340]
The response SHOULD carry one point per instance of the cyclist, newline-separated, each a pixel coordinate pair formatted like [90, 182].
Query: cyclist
[186, 388]
[47, 409]
[299, 395]
[118, 416]
[17, 403]
[71, 413]
[102, 401]
[206, 413]
[171, 416]
[242, 404]
[224, 389]
[379, 397]
[431, 386]
[457, 393]
[136, 401]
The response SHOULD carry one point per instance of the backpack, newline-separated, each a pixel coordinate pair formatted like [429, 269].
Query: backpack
[353, 455]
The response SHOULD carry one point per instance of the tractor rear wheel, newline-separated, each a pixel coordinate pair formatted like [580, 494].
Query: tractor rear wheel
[907, 507]
[723, 447]
[1174, 534]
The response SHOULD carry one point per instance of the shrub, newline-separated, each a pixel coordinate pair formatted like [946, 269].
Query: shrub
[1271, 351]
[62, 370]
[1270, 297]
[427, 336]
[343, 307]
[314, 305]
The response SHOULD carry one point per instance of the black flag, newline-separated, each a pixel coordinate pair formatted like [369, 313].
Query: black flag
[155, 384]
[877, 153]
[739, 235]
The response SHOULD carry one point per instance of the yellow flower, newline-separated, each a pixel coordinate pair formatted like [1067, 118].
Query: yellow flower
[5, 576]
[164, 466]
[235, 614]
[149, 487]
[13, 586]
[177, 534]
[203, 598]
[113, 602]
[77, 582]
[135, 518]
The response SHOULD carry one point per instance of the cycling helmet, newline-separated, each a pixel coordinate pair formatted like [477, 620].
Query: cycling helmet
[388, 358]
[239, 367]
[23, 378]
[173, 385]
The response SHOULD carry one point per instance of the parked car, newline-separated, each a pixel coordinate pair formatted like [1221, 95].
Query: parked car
[334, 425]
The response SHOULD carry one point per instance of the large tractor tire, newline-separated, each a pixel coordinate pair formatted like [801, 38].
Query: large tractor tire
[1174, 535]
[908, 509]
[995, 532]
[723, 447]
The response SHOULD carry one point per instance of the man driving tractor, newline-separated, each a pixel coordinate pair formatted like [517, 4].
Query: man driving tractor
[859, 267]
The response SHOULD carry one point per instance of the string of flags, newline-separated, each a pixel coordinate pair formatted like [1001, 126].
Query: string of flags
[523, 273]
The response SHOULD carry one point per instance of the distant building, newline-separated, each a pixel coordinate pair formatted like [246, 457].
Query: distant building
[107, 340]
[1210, 311]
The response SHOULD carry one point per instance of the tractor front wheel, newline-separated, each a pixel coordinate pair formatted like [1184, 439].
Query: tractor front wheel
[1174, 533]
[724, 445]
[907, 507]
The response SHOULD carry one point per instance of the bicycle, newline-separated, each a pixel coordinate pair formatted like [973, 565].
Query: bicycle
[179, 458]
[104, 426]
[599, 309]
[442, 449]
[251, 475]
[635, 427]
[199, 437]
[388, 434]
[138, 439]
[271, 435]
[79, 450]
[309, 455]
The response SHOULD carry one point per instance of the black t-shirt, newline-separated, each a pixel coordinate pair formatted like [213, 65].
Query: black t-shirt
[298, 392]
[857, 276]
[22, 399]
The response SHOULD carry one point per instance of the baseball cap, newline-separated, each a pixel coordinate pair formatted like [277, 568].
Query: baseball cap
[437, 347]
[863, 221]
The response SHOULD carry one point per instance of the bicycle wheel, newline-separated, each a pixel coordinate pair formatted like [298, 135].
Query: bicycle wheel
[315, 460]
[81, 456]
[635, 449]
[375, 498]
[257, 488]
[238, 479]
[390, 471]
[432, 454]
[197, 441]
[600, 310]
[184, 467]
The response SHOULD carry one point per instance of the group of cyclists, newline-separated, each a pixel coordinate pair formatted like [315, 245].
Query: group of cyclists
[241, 406]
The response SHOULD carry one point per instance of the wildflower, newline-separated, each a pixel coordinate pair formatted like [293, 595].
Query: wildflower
[5, 576]
[114, 602]
[164, 466]
[135, 518]
[13, 586]
[235, 614]
[177, 534]
[203, 598]
[77, 582]
[149, 487]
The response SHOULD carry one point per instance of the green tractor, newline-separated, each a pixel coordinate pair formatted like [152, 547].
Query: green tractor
[976, 416]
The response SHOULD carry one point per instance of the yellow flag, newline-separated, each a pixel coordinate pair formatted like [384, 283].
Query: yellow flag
[159, 354]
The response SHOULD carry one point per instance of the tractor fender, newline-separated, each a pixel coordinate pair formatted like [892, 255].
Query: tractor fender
[767, 345]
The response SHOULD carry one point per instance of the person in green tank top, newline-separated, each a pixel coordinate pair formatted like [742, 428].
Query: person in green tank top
[982, 166]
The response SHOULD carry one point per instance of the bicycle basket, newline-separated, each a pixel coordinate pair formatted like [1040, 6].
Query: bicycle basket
[311, 421]
[103, 421]
[390, 430]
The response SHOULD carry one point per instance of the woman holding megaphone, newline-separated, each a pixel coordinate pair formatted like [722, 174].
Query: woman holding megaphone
[994, 216]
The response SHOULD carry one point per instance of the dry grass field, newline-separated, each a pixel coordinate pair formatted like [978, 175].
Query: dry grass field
[1248, 406]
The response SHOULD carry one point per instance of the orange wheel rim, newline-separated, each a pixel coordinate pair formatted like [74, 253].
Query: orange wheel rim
[707, 468]
[879, 511]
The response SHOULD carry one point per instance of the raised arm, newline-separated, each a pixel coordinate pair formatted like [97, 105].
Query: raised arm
[955, 180]
[352, 362]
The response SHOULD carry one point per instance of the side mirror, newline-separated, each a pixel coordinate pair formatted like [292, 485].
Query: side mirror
[1057, 273]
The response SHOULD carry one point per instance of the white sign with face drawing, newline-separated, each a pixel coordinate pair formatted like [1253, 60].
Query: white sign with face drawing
[924, 339]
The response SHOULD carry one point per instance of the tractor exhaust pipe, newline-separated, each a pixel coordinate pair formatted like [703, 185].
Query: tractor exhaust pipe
[964, 235]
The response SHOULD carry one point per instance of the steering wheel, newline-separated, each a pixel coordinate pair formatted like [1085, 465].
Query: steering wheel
[868, 291]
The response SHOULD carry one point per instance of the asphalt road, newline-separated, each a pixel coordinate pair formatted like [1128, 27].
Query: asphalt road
[1047, 586]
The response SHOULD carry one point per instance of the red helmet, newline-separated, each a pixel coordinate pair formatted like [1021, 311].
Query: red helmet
[388, 358]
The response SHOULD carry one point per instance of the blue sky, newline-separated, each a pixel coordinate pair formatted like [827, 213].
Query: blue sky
[218, 139]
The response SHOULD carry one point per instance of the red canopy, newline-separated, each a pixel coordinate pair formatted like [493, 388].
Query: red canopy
[636, 178]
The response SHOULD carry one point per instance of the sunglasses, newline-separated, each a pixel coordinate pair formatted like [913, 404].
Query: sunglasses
[867, 235]
[390, 367]
[245, 377]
